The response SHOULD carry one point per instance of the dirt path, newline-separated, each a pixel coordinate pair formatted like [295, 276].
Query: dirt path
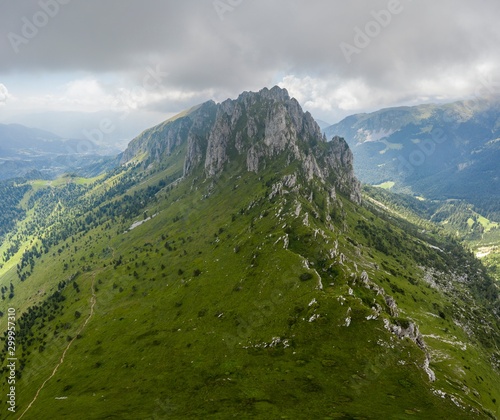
[93, 300]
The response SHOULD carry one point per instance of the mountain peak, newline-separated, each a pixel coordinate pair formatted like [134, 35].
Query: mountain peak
[256, 130]
[276, 93]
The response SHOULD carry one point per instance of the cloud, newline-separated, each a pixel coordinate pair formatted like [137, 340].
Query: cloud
[85, 93]
[91, 95]
[328, 96]
[338, 97]
[4, 94]
[427, 50]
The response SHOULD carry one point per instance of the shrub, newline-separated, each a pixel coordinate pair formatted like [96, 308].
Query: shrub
[305, 276]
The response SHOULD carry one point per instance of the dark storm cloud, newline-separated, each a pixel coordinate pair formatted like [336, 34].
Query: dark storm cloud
[231, 45]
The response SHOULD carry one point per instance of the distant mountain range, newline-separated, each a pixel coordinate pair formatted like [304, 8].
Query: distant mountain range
[323, 124]
[75, 125]
[18, 140]
[24, 149]
[438, 151]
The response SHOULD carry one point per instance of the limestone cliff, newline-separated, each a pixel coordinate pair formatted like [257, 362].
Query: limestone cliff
[255, 128]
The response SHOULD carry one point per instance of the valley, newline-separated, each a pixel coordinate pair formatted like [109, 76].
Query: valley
[444, 155]
[454, 217]
[38, 154]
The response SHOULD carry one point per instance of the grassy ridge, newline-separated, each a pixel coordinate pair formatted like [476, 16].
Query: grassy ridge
[213, 308]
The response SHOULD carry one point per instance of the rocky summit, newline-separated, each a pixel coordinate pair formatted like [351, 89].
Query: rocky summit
[229, 267]
[259, 127]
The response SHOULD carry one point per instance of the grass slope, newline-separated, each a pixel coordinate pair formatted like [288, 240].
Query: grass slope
[235, 302]
[453, 217]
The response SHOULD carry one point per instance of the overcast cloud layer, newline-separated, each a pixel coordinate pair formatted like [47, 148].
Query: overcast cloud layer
[335, 57]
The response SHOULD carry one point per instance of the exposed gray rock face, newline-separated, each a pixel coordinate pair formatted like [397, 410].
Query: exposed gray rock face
[393, 307]
[413, 333]
[161, 140]
[256, 127]
[253, 159]
[193, 154]
[218, 140]
[266, 124]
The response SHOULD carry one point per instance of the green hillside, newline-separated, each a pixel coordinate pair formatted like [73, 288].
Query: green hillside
[451, 217]
[235, 274]
[441, 151]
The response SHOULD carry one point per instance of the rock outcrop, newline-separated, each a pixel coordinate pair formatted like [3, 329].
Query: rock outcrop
[256, 128]
[160, 141]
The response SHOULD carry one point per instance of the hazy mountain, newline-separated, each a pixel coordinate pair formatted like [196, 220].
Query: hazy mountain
[323, 124]
[439, 151]
[230, 268]
[24, 149]
[16, 140]
[119, 127]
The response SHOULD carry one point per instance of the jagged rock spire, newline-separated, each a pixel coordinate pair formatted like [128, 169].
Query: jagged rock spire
[256, 127]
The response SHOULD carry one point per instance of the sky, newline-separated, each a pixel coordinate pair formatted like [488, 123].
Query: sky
[83, 66]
